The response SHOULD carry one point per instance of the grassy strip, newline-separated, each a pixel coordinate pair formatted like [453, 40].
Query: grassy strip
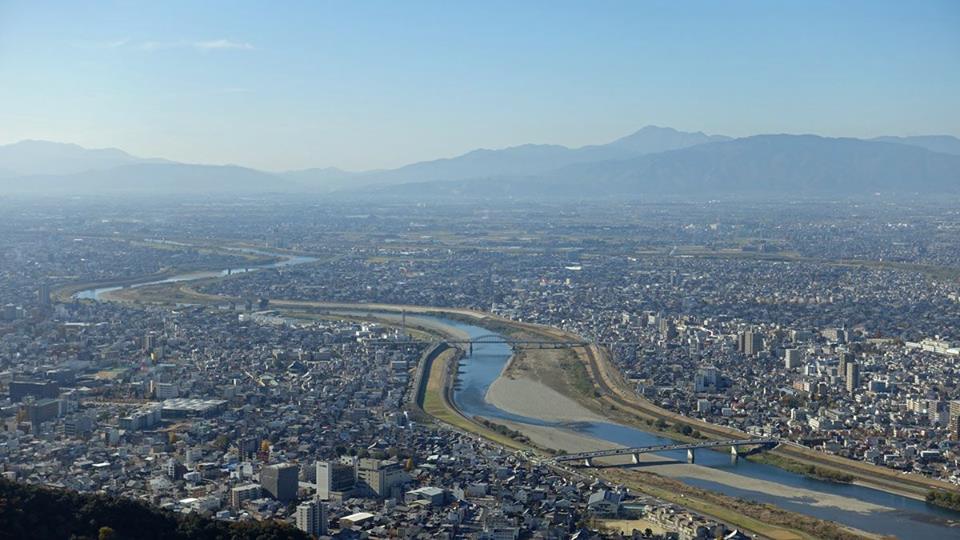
[813, 471]
[765, 519]
[502, 429]
[574, 372]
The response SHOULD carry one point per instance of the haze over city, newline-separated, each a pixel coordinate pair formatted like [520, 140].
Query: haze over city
[424, 270]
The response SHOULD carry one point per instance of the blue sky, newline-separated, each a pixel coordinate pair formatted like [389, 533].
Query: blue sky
[357, 85]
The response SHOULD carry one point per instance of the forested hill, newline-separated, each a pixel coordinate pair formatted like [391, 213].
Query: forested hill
[36, 512]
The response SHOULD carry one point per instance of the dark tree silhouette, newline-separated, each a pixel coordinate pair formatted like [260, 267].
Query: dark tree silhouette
[28, 511]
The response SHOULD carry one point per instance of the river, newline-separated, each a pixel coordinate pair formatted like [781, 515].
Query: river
[286, 260]
[903, 517]
[906, 518]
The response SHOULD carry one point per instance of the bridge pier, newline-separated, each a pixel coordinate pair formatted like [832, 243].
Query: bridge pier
[588, 462]
[691, 456]
[636, 458]
[471, 349]
[734, 453]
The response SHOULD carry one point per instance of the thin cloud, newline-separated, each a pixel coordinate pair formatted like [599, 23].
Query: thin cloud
[203, 45]
[221, 44]
[115, 44]
[159, 45]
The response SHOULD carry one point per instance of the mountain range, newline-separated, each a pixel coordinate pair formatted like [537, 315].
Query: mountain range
[654, 161]
[527, 159]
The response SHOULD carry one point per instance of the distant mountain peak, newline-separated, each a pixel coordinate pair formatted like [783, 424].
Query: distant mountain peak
[652, 139]
[41, 145]
[653, 128]
[33, 156]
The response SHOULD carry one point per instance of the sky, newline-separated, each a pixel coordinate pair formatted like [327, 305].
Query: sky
[364, 84]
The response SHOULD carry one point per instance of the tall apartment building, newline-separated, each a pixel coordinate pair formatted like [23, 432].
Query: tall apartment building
[845, 359]
[43, 294]
[853, 376]
[667, 329]
[792, 358]
[312, 517]
[955, 419]
[749, 343]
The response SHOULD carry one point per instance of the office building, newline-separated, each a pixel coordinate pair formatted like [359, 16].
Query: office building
[42, 410]
[749, 343]
[792, 358]
[853, 376]
[668, 330]
[37, 389]
[334, 477]
[78, 426]
[706, 379]
[380, 476]
[246, 492]
[280, 481]
[142, 419]
[163, 390]
[845, 359]
[43, 295]
[149, 341]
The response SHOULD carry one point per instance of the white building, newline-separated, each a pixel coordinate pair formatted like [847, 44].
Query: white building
[166, 390]
[312, 517]
[334, 477]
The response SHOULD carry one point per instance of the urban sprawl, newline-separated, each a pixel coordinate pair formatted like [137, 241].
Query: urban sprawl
[831, 326]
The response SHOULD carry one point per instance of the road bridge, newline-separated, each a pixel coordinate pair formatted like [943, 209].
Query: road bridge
[587, 457]
[467, 344]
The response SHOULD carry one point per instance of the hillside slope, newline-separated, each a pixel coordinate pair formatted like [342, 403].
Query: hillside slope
[28, 511]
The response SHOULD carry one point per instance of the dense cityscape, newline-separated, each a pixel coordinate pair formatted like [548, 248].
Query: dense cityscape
[214, 395]
[489, 270]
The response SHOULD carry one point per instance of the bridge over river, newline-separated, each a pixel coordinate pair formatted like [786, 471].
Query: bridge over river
[734, 444]
[467, 344]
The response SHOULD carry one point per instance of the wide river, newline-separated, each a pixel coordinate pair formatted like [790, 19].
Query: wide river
[906, 518]
[903, 517]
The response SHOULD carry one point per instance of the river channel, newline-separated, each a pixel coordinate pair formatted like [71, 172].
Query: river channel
[286, 260]
[903, 517]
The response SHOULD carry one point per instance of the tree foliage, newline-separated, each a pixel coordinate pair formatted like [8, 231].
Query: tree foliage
[945, 499]
[28, 511]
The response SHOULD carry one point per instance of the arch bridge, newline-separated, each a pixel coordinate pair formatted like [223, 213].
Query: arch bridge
[587, 458]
